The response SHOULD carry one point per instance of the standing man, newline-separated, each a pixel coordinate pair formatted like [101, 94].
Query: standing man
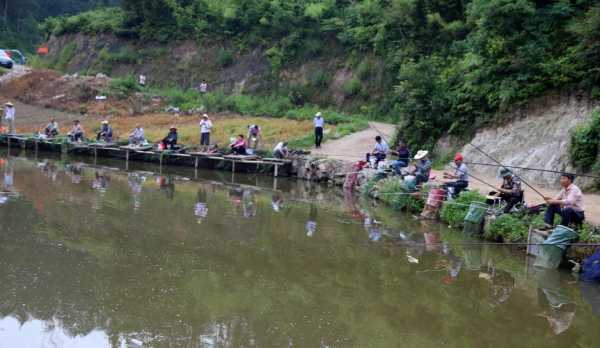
[9, 116]
[205, 128]
[319, 122]
[461, 175]
[568, 204]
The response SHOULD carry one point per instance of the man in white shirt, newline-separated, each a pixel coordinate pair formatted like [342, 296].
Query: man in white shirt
[205, 128]
[281, 150]
[319, 123]
[380, 152]
[137, 136]
[9, 116]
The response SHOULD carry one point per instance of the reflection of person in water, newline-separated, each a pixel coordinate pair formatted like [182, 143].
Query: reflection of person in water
[558, 308]
[135, 183]
[591, 295]
[374, 230]
[277, 201]
[167, 186]
[75, 172]
[8, 182]
[100, 181]
[201, 207]
[311, 224]
[248, 204]
[453, 268]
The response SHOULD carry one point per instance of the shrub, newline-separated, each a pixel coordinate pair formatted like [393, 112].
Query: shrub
[123, 87]
[224, 58]
[352, 87]
[363, 70]
[453, 212]
[509, 228]
[65, 56]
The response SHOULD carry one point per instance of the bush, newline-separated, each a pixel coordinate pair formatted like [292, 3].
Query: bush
[363, 70]
[352, 87]
[224, 58]
[453, 212]
[123, 87]
[585, 141]
[509, 228]
[65, 56]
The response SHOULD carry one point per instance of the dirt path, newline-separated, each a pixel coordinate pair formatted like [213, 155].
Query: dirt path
[354, 146]
[16, 72]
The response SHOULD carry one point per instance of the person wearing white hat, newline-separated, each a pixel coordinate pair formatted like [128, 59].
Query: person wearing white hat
[319, 123]
[106, 133]
[9, 116]
[205, 128]
[422, 167]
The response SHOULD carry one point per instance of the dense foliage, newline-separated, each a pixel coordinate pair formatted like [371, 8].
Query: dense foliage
[585, 143]
[19, 19]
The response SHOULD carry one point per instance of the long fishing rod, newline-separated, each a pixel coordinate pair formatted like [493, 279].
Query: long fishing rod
[498, 162]
[533, 169]
[384, 136]
[476, 178]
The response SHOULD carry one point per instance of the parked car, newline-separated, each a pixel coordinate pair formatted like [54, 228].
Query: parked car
[16, 56]
[5, 60]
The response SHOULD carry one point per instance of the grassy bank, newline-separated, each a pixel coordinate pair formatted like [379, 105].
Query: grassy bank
[503, 228]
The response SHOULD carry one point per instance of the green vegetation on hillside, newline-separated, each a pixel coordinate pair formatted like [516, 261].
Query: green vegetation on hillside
[585, 145]
[451, 64]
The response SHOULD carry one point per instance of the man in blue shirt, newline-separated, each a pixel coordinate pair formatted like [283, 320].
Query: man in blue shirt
[461, 175]
[380, 152]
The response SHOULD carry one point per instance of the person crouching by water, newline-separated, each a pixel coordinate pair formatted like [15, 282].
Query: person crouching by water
[281, 150]
[461, 175]
[170, 141]
[380, 151]
[137, 137]
[510, 192]
[403, 157]
[106, 133]
[422, 167]
[76, 133]
[51, 129]
[568, 204]
[239, 145]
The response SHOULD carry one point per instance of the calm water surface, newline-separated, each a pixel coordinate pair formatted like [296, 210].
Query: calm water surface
[96, 256]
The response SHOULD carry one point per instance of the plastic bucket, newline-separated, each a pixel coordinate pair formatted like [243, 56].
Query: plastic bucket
[476, 213]
[410, 183]
[562, 237]
[436, 196]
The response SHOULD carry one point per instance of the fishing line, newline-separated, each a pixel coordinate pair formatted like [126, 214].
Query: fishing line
[533, 169]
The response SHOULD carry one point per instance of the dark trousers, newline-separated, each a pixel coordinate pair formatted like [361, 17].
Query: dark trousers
[458, 186]
[318, 136]
[568, 215]
[205, 139]
[379, 156]
[241, 150]
[511, 201]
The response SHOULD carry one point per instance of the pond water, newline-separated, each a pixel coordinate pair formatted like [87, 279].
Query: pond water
[97, 256]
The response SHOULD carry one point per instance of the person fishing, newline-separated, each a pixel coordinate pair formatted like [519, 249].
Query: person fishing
[51, 129]
[380, 151]
[76, 133]
[9, 117]
[568, 204]
[137, 137]
[281, 150]
[403, 154]
[510, 191]
[460, 175]
[319, 124]
[106, 133]
[239, 145]
[422, 167]
[254, 137]
[205, 129]
[170, 141]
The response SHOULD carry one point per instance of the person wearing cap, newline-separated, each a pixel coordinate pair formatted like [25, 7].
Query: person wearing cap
[422, 167]
[460, 175]
[9, 116]
[319, 124]
[510, 191]
[106, 133]
[170, 141]
[76, 133]
[403, 154]
[51, 129]
[205, 128]
[568, 204]
[137, 137]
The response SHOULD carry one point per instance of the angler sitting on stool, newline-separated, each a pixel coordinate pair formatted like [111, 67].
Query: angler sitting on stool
[568, 204]
[510, 191]
[461, 175]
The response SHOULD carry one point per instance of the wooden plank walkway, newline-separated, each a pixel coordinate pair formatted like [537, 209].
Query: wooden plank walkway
[143, 153]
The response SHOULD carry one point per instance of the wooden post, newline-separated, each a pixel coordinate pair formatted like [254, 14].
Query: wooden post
[196, 163]
[276, 170]
[233, 166]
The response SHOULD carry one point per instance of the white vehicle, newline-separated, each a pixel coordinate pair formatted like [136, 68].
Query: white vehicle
[5, 60]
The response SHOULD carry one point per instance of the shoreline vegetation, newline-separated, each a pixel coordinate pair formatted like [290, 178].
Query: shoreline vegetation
[509, 228]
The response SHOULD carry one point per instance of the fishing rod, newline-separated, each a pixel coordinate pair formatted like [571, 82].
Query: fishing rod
[498, 162]
[476, 178]
[533, 169]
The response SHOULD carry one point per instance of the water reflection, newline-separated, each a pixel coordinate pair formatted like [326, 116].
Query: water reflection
[249, 276]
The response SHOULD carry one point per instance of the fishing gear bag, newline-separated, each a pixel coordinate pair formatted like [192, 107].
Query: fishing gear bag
[591, 268]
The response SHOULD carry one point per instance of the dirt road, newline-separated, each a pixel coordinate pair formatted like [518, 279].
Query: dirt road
[354, 146]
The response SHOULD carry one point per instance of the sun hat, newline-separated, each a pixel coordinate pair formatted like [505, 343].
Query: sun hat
[421, 153]
[9, 104]
[205, 116]
[105, 122]
[319, 114]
